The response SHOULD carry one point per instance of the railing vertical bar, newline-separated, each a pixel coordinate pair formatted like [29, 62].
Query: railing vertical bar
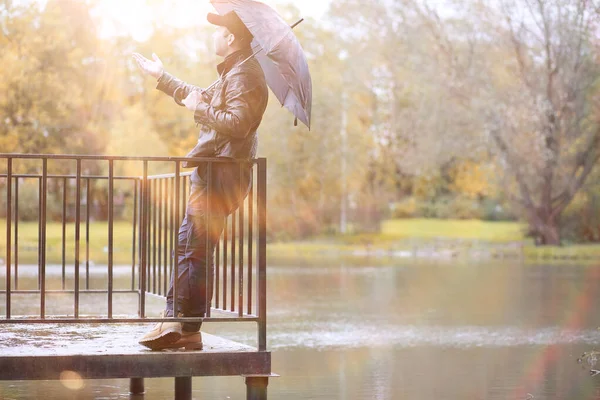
[134, 222]
[140, 237]
[39, 232]
[110, 235]
[64, 236]
[225, 266]
[185, 193]
[209, 249]
[88, 206]
[148, 211]
[173, 254]
[166, 236]
[233, 237]
[8, 233]
[155, 207]
[262, 254]
[217, 272]
[241, 245]
[178, 219]
[143, 241]
[250, 237]
[16, 219]
[77, 234]
[43, 238]
[160, 228]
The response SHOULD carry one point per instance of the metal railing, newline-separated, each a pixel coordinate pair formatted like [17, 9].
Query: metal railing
[157, 204]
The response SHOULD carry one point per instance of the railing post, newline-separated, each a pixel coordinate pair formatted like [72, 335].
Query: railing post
[43, 238]
[232, 264]
[133, 247]
[8, 232]
[152, 239]
[262, 254]
[241, 243]
[143, 241]
[158, 233]
[166, 235]
[110, 235]
[88, 203]
[39, 178]
[224, 275]
[64, 235]
[172, 230]
[77, 233]
[178, 219]
[208, 256]
[16, 241]
[250, 237]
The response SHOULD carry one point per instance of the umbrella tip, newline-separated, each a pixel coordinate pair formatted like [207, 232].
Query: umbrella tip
[297, 22]
[295, 121]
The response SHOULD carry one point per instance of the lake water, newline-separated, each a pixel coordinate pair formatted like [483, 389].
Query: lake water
[397, 329]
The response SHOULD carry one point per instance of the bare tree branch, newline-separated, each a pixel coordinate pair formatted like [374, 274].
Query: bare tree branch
[503, 147]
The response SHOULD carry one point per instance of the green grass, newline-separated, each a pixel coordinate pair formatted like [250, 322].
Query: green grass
[98, 242]
[404, 234]
[454, 229]
[555, 253]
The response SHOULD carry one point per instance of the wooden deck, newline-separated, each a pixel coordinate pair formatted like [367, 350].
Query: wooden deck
[111, 351]
[33, 350]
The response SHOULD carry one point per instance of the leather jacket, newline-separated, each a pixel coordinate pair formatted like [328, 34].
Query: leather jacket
[231, 111]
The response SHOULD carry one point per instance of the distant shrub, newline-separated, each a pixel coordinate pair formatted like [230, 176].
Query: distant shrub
[405, 208]
[492, 210]
[444, 207]
[463, 208]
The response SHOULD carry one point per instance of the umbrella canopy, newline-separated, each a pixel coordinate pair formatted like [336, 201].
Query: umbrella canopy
[282, 58]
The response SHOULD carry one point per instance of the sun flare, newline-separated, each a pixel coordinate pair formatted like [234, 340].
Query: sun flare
[137, 17]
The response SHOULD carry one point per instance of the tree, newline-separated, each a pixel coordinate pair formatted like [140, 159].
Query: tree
[48, 60]
[530, 75]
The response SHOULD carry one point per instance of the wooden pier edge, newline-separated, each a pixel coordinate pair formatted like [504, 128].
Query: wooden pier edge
[125, 359]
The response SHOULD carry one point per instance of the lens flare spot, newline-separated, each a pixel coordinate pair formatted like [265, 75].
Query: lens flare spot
[71, 380]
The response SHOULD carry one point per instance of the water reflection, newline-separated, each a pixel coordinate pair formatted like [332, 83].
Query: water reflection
[362, 330]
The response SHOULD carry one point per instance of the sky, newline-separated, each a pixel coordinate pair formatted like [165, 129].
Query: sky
[135, 16]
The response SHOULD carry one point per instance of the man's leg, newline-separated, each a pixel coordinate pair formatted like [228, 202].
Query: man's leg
[165, 334]
[194, 287]
[197, 239]
[195, 258]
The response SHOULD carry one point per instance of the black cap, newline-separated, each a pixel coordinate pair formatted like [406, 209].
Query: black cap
[232, 22]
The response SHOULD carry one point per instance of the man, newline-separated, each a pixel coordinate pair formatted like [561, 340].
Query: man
[229, 115]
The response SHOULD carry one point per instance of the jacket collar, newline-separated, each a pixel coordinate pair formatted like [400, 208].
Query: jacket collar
[232, 60]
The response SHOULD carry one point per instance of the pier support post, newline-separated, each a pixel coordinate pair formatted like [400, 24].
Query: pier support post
[183, 388]
[256, 388]
[136, 386]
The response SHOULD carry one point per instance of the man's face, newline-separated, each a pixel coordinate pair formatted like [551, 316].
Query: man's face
[221, 39]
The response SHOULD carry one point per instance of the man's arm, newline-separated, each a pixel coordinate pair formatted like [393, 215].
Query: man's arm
[245, 101]
[168, 84]
[175, 88]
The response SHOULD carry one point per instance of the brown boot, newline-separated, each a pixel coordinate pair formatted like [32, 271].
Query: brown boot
[188, 340]
[162, 335]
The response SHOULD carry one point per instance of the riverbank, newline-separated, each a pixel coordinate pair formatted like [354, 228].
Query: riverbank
[439, 239]
[408, 238]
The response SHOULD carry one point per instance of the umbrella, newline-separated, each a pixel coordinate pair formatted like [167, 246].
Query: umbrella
[282, 58]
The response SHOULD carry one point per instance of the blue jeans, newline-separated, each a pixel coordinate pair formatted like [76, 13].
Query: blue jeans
[199, 234]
